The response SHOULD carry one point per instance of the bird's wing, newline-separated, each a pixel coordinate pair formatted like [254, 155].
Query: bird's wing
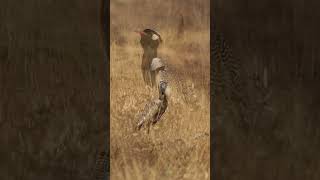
[150, 110]
[161, 111]
[175, 82]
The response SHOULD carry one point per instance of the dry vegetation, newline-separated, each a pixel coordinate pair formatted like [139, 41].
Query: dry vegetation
[178, 146]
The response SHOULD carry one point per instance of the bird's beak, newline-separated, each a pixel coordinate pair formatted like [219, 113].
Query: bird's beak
[141, 32]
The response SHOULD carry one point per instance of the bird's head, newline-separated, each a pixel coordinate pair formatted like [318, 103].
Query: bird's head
[149, 38]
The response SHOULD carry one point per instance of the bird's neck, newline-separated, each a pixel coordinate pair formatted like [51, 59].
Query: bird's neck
[150, 53]
[163, 98]
[165, 101]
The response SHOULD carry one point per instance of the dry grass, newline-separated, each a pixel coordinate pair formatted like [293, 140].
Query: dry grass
[178, 146]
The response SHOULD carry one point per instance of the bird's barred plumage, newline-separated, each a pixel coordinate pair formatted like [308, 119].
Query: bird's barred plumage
[160, 76]
[152, 113]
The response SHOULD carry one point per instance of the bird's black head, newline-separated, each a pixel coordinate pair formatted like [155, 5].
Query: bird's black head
[150, 38]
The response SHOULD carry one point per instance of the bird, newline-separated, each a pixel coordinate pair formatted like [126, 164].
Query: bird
[154, 110]
[150, 41]
[158, 71]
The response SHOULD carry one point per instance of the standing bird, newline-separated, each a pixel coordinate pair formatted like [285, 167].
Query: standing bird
[150, 41]
[154, 110]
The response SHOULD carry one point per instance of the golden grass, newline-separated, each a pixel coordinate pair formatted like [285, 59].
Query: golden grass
[178, 147]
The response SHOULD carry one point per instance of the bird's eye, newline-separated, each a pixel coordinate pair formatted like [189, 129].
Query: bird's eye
[155, 37]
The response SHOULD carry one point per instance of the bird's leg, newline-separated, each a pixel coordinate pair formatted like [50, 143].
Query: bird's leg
[148, 128]
[146, 78]
[144, 74]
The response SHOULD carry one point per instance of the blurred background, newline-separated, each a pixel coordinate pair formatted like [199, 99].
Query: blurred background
[52, 89]
[277, 45]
